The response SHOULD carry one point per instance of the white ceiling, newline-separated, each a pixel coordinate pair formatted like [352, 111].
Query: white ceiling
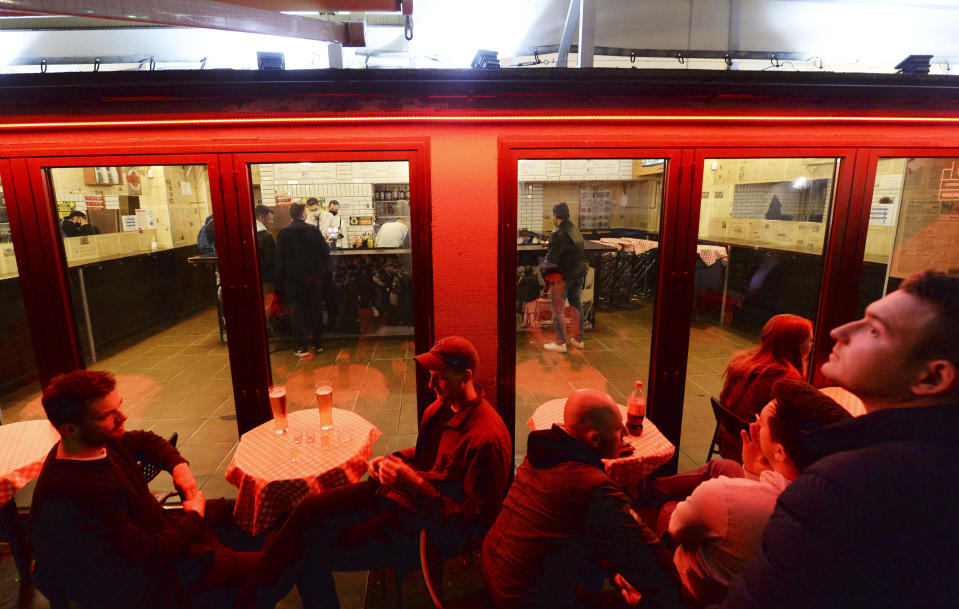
[835, 35]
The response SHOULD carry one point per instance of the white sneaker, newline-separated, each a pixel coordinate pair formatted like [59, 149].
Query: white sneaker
[577, 343]
[555, 347]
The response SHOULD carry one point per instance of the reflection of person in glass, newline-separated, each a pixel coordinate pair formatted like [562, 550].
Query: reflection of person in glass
[84, 227]
[775, 211]
[331, 223]
[301, 260]
[71, 224]
[266, 251]
[566, 251]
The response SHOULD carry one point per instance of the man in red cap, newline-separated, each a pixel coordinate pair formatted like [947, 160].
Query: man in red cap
[451, 483]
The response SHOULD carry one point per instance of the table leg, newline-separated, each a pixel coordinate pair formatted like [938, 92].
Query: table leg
[86, 313]
[722, 305]
[13, 531]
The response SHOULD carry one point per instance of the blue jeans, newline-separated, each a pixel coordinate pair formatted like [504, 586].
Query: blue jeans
[561, 292]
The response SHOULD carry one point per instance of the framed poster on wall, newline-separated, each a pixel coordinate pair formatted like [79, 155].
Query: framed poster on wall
[595, 207]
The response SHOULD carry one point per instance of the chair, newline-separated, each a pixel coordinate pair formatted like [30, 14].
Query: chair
[726, 420]
[432, 562]
[152, 469]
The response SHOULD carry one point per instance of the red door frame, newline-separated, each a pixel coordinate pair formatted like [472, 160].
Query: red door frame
[511, 150]
[247, 285]
[45, 281]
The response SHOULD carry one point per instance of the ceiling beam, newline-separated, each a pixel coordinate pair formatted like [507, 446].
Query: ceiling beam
[202, 14]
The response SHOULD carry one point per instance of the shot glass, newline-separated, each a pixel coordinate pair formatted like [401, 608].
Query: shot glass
[310, 437]
[297, 437]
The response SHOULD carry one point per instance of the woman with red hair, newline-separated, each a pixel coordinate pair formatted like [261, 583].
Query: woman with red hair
[785, 342]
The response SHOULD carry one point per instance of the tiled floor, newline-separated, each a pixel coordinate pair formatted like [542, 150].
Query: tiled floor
[179, 380]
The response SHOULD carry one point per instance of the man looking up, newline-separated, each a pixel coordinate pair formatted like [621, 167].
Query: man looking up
[720, 525]
[451, 483]
[99, 537]
[873, 522]
[301, 260]
[563, 517]
[567, 251]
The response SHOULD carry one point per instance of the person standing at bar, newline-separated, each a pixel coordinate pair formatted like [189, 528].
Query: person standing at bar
[266, 251]
[301, 261]
[331, 224]
[313, 212]
[567, 251]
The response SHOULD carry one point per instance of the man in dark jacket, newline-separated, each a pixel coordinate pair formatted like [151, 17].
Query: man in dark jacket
[564, 518]
[873, 522]
[451, 483]
[99, 536]
[301, 260]
[567, 251]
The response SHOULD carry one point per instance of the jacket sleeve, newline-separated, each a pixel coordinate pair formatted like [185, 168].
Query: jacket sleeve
[281, 253]
[484, 486]
[629, 546]
[702, 516]
[798, 561]
[147, 446]
[557, 243]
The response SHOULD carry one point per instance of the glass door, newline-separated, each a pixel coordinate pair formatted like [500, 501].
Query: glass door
[18, 368]
[335, 256]
[140, 258]
[589, 325]
[763, 226]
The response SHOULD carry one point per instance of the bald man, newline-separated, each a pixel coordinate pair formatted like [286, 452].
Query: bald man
[563, 518]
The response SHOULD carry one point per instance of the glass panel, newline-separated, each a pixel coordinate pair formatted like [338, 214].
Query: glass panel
[913, 224]
[145, 307]
[19, 393]
[615, 204]
[762, 231]
[358, 304]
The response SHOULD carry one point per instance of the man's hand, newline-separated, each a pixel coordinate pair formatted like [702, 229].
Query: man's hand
[197, 503]
[184, 481]
[374, 468]
[396, 473]
[630, 594]
[753, 460]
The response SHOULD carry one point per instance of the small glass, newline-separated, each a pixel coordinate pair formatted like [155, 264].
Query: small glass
[278, 407]
[310, 437]
[297, 437]
[324, 403]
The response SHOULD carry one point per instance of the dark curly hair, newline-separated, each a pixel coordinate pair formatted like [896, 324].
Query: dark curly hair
[800, 409]
[940, 338]
[69, 396]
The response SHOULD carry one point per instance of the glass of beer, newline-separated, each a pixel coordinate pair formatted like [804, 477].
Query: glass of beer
[324, 403]
[278, 406]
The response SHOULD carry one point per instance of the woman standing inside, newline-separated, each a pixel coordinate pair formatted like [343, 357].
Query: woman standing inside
[785, 342]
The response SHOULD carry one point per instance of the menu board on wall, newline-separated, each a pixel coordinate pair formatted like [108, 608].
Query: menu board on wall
[885, 200]
[595, 208]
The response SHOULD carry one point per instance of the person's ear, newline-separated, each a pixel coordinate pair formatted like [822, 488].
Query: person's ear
[779, 452]
[936, 378]
[69, 430]
[467, 375]
[592, 439]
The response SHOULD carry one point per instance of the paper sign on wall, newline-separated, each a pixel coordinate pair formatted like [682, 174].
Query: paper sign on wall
[186, 188]
[146, 219]
[129, 223]
[112, 201]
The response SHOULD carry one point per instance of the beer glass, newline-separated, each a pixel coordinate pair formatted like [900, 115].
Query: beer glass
[324, 403]
[278, 406]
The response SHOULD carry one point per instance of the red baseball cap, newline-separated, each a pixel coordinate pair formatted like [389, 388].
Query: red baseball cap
[450, 352]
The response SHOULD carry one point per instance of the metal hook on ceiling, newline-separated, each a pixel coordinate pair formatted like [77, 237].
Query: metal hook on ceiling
[408, 28]
[43, 66]
[632, 57]
[679, 56]
[728, 60]
[775, 62]
[96, 64]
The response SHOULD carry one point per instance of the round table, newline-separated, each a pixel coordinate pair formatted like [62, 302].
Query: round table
[23, 447]
[651, 449]
[271, 483]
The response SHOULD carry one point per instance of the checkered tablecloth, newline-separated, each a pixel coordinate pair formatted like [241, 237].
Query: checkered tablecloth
[270, 483]
[711, 253]
[652, 449]
[708, 253]
[23, 447]
[847, 400]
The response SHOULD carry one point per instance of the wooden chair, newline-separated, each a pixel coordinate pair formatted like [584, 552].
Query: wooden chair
[432, 562]
[726, 420]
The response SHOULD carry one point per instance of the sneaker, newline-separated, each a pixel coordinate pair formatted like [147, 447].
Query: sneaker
[577, 343]
[317, 349]
[301, 353]
[554, 347]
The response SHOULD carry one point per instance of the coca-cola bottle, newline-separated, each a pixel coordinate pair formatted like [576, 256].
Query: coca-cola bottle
[636, 410]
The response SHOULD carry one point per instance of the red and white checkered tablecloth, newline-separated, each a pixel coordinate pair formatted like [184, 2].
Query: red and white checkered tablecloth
[270, 483]
[708, 253]
[23, 447]
[651, 448]
[711, 253]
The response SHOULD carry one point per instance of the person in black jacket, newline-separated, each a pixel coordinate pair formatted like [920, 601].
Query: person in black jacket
[873, 522]
[567, 252]
[99, 537]
[266, 251]
[301, 260]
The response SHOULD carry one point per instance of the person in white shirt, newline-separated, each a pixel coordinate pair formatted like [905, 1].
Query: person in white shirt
[392, 234]
[313, 212]
[331, 223]
[719, 527]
